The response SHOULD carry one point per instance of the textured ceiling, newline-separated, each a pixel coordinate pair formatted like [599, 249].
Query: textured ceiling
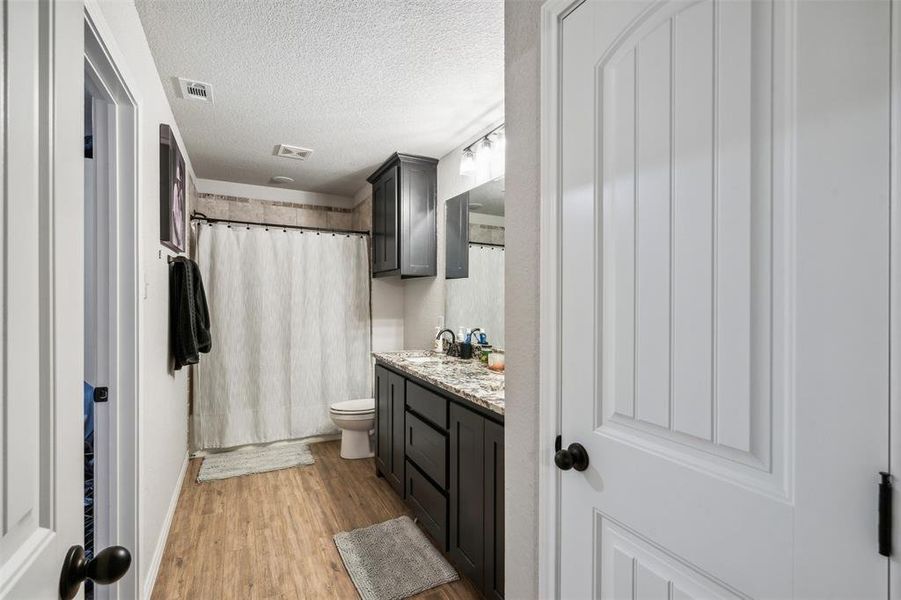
[354, 80]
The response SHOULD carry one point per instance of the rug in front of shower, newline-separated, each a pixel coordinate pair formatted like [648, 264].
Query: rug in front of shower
[248, 461]
[392, 560]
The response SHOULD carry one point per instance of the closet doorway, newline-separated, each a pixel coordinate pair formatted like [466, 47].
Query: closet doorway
[111, 221]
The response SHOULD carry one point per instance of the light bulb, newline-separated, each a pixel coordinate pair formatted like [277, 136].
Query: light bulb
[467, 163]
[483, 160]
[498, 152]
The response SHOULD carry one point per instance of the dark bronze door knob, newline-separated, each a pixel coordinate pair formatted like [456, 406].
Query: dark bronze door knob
[574, 457]
[108, 566]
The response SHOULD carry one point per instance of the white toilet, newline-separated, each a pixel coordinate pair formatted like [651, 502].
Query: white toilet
[355, 418]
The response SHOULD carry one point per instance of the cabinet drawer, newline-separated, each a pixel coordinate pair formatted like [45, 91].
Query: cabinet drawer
[427, 448]
[426, 404]
[429, 505]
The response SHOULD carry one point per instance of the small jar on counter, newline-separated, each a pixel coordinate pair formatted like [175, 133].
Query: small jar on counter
[496, 360]
[484, 351]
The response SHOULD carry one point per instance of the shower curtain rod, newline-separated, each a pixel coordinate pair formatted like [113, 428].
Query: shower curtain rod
[488, 244]
[198, 216]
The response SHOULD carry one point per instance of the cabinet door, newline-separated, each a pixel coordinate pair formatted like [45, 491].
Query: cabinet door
[382, 422]
[493, 586]
[378, 226]
[467, 492]
[418, 201]
[457, 237]
[395, 474]
[392, 221]
[385, 239]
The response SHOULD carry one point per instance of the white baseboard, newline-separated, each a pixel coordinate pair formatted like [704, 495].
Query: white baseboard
[160, 549]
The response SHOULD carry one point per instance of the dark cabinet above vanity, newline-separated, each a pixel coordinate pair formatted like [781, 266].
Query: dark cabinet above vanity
[404, 217]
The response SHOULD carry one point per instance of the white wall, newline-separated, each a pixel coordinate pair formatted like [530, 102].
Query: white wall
[424, 298]
[387, 295]
[163, 394]
[522, 89]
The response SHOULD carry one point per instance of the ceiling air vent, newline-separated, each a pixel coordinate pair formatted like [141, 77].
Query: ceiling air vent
[295, 152]
[195, 90]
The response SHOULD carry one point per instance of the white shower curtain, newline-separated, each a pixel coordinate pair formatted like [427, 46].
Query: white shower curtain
[478, 300]
[289, 314]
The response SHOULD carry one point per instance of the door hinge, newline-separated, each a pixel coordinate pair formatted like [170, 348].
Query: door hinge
[885, 514]
[558, 443]
[101, 394]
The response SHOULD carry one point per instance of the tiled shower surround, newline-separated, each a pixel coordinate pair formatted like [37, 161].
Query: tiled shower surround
[279, 213]
[486, 234]
[272, 212]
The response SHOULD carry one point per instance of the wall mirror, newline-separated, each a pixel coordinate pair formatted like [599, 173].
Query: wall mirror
[474, 276]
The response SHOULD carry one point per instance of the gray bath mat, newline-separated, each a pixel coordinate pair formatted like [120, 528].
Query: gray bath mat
[258, 460]
[392, 560]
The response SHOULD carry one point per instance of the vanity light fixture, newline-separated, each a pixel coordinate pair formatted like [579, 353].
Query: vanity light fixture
[468, 162]
[484, 158]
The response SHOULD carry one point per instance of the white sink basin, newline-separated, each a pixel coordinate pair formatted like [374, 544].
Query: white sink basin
[424, 360]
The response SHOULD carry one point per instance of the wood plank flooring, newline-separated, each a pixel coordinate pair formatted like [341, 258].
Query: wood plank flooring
[270, 535]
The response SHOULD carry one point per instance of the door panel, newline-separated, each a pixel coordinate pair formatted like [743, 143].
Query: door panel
[382, 421]
[467, 491]
[736, 303]
[689, 366]
[391, 231]
[396, 393]
[418, 251]
[378, 227]
[494, 511]
[635, 568]
[41, 274]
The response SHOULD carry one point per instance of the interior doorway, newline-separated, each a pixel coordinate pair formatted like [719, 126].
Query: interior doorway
[111, 317]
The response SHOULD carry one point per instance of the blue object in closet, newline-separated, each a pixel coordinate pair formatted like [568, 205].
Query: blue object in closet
[88, 410]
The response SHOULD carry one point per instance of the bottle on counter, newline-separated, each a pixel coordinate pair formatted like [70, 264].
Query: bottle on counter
[496, 360]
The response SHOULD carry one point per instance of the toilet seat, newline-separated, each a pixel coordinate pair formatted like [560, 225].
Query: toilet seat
[353, 407]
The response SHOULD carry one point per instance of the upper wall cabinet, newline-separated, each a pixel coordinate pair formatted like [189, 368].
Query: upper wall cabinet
[404, 217]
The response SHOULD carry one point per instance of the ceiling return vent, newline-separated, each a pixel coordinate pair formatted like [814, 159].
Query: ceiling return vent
[295, 152]
[195, 90]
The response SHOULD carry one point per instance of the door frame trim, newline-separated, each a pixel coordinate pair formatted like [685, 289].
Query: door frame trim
[549, 401]
[894, 420]
[121, 524]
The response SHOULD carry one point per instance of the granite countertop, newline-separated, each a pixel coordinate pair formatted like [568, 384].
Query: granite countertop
[468, 379]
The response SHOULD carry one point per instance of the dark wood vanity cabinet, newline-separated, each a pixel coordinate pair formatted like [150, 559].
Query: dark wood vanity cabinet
[404, 217]
[450, 456]
[456, 243]
[389, 427]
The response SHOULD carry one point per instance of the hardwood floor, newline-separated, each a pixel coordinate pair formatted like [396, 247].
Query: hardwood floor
[270, 535]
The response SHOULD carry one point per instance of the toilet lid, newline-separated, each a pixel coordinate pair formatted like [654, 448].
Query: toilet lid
[354, 406]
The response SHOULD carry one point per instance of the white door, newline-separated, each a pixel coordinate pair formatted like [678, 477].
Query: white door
[725, 297]
[40, 294]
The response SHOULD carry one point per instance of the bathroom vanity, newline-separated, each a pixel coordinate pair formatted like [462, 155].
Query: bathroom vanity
[439, 425]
